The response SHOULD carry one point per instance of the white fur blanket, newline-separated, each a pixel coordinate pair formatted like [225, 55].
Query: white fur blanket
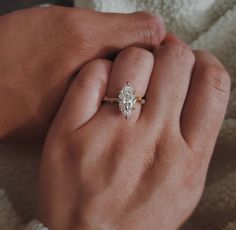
[205, 24]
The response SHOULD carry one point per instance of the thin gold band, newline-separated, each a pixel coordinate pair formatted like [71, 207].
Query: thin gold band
[116, 100]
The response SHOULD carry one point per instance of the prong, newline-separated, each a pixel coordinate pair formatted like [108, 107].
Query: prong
[142, 102]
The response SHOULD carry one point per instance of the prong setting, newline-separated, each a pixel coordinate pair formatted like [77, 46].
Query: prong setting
[127, 100]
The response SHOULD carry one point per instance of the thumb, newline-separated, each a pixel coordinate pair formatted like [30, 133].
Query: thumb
[140, 29]
[109, 33]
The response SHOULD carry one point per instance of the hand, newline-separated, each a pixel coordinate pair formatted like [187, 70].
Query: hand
[42, 48]
[101, 171]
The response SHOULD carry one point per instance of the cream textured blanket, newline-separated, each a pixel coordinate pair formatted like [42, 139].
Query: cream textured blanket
[205, 24]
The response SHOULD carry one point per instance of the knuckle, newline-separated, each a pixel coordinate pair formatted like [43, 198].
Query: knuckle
[71, 26]
[149, 19]
[73, 30]
[217, 77]
[63, 14]
[150, 30]
[136, 54]
[179, 52]
[63, 32]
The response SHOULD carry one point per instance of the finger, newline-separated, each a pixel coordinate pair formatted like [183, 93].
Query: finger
[169, 84]
[206, 102]
[135, 66]
[173, 38]
[140, 29]
[84, 97]
[109, 33]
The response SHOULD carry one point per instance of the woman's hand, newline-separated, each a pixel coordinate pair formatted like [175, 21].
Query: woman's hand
[42, 48]
[101, 171]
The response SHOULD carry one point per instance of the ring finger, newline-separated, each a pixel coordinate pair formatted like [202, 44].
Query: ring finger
[132, 65]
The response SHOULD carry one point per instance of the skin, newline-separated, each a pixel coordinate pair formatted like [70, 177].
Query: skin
[101, 171]
[42, 49]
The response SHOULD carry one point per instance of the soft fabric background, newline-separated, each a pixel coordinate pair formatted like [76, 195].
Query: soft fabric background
[205, 24]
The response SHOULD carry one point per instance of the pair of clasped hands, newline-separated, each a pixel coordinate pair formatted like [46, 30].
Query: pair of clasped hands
[100, 171]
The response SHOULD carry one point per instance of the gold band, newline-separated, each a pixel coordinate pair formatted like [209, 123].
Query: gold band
[110, 99]
[116, 100]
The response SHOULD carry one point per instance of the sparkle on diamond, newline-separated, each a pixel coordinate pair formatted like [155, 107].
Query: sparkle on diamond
[127, 100]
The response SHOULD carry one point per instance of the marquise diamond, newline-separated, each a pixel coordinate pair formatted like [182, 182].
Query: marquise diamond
[127, 100]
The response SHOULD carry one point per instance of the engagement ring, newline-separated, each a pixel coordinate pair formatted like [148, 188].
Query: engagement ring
[126, 100]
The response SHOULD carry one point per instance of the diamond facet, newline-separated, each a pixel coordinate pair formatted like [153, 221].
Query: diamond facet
[127, 100]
